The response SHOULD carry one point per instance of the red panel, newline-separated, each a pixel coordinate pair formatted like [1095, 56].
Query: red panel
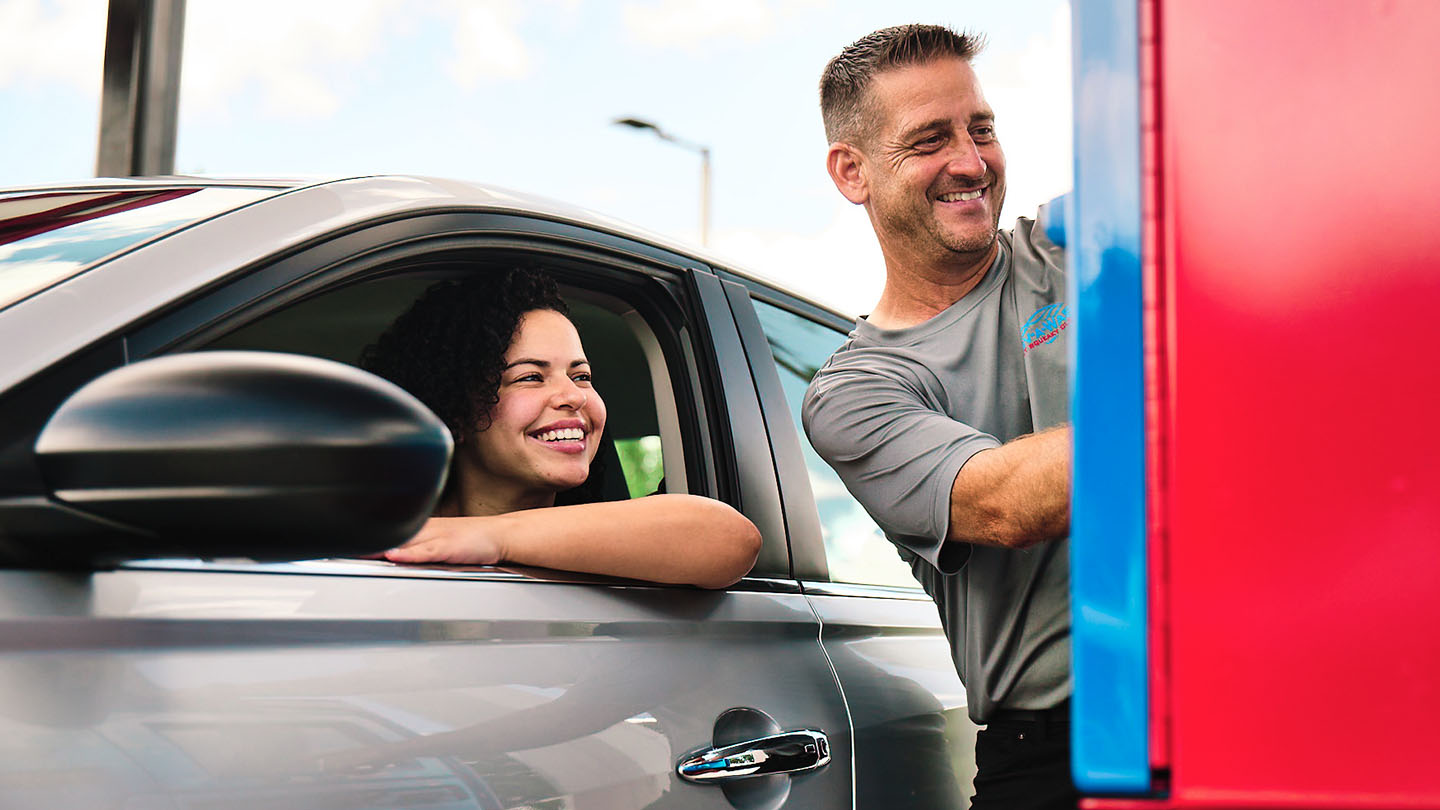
[1298, 202]
[1270, 802]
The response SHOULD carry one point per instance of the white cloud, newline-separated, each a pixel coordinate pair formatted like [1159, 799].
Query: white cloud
[62, 40]
[488, 44]
[292, 53]
[1029, 88]
[689, 23]
[300, 56]
[295, 54]
[839, 265]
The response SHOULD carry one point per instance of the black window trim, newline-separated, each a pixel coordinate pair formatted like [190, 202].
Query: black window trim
[758, 489]
[807, 548]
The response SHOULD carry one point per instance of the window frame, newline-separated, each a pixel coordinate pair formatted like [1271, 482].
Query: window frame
[667, 289]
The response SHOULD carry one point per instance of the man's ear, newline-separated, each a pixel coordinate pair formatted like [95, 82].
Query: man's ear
[846, 165]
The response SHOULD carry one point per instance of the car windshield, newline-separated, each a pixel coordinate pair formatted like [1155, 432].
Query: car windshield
[46, 237]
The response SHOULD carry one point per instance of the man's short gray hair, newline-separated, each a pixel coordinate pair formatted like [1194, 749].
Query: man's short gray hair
[847, 77]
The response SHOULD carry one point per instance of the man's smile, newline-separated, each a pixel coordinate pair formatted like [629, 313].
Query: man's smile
[962, 196]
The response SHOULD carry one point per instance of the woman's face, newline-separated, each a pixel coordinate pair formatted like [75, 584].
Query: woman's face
[546, 426]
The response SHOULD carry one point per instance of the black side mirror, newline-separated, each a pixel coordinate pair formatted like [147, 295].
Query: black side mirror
[237, 454]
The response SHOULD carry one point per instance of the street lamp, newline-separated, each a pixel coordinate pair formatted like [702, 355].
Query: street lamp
[640, 123]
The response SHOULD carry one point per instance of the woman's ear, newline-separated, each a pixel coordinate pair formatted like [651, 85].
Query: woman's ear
[846, 165]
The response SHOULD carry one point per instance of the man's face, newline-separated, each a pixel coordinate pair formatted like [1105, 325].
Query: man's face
[934, 168]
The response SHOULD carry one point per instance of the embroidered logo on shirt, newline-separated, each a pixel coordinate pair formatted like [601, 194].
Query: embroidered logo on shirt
[1044, 326]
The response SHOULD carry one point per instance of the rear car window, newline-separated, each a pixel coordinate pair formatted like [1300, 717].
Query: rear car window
[856, 550]
[46, 237]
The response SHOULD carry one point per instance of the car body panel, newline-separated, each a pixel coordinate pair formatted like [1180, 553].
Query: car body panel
[234, 685]
[46, 237]
[914, 741]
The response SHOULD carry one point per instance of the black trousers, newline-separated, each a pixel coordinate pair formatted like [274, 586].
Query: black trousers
[1024, 765]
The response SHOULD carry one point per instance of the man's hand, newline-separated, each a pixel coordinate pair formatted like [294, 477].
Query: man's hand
[457, 540]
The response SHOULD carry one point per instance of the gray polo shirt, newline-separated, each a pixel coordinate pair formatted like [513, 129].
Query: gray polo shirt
[898, 412]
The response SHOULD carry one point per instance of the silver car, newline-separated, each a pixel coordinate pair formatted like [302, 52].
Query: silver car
[192, 471]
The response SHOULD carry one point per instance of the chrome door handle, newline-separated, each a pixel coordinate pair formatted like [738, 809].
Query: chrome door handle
[791, 752]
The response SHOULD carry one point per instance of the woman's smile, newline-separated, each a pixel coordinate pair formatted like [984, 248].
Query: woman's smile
[565, 436]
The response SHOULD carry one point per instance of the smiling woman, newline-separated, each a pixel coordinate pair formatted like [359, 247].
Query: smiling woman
[544, 429]
[498, 360]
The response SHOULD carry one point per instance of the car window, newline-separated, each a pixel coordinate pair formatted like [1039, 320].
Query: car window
[632, 310]
[339, 324]
[855, 548]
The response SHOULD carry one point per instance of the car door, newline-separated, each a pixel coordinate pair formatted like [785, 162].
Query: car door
[914, 742]
[357, 683]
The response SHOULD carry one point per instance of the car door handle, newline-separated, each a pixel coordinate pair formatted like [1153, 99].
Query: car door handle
[790, 752]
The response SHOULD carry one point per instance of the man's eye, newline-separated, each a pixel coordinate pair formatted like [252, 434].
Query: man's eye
[930, 142]
[986, 133]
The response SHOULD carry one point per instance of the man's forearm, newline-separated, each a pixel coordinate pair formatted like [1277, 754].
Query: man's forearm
[1015, 495]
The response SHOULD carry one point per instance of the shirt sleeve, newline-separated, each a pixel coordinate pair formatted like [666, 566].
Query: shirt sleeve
[896, 453]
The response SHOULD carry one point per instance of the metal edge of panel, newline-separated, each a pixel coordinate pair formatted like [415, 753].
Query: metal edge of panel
[858, 590]
[369, 568]
[1108, 529]
[759, 491]
[802, 520]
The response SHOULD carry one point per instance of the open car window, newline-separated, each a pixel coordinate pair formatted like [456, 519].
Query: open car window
[642, 449]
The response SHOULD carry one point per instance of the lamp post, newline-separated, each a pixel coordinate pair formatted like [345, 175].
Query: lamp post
[640, 123]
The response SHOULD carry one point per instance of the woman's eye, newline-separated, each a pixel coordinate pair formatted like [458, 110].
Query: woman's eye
[583, 376]
[531, 377]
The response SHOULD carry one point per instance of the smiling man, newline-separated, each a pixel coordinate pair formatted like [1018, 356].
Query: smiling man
[944, 411]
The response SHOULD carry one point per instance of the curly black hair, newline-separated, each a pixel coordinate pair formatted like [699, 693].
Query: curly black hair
[448, 349]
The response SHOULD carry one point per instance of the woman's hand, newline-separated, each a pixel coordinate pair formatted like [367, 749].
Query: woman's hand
[456, 540]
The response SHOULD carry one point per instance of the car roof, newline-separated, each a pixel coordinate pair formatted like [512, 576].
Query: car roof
[170, 181]
[422, 193]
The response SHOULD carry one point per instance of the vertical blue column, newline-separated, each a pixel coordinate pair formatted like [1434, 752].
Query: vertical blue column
[1107, 385]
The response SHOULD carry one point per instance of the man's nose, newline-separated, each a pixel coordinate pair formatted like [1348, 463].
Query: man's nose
[965, 160]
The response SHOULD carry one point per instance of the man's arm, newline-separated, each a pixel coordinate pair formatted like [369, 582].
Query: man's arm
[1015, 495]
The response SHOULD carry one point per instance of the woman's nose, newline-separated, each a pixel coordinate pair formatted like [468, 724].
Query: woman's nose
[570, 396]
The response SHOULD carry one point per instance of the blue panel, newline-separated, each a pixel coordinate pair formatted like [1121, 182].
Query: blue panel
[1108, 568]
[1054, 216]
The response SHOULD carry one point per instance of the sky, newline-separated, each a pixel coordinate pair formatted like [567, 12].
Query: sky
[522, 94]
